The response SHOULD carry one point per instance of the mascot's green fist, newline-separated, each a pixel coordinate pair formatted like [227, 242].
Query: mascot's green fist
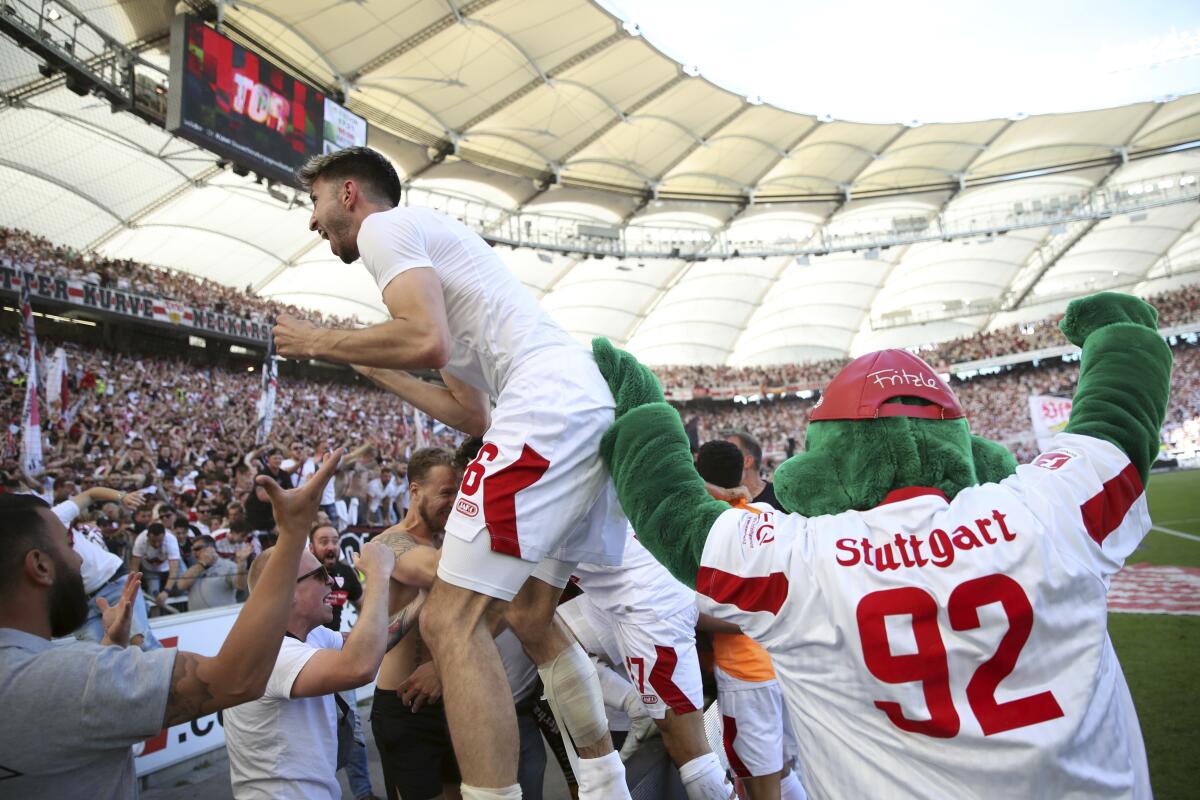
[1088, 314]
[631, 383]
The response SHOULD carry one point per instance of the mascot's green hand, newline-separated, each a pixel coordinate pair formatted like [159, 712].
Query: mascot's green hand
[1124, 374]
[631, 383]
[1088, 314]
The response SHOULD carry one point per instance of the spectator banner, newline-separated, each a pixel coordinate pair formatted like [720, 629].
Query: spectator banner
[1050, 415]
[130, 304]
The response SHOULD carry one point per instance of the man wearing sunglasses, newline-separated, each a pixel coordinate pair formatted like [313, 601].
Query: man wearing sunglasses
[122, 695]
[285, 743]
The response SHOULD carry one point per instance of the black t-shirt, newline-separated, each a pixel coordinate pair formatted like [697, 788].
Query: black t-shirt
[346, 588]
[767, 495]
[258, 512]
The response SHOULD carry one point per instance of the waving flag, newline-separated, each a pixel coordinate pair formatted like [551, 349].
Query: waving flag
[266, 399]
[31, 419]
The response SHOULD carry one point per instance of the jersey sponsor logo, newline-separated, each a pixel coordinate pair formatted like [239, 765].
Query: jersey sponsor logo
[466, 507]
[1055, 459]
[338, 597]
[938, 547]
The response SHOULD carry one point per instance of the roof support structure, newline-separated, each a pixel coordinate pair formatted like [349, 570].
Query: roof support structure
[75, 190]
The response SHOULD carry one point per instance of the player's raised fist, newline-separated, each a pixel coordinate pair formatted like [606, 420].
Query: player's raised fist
[295, 338]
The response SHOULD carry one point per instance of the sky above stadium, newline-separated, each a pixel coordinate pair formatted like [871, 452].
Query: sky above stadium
[931, 60]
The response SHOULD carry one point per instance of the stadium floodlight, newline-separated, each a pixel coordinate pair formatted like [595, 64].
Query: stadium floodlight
[53, 14]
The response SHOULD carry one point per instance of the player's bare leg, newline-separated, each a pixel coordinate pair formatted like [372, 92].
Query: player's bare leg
[456, 626]
[571, 685]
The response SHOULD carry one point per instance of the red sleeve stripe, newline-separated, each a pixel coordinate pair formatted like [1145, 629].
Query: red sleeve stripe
[1104, 512]
[748, 594]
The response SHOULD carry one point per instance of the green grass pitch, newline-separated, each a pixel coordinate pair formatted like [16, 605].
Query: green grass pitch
[1160, 653]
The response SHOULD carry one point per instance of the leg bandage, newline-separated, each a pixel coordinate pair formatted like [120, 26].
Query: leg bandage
[476, 793]
[704, 779]
[573, 691]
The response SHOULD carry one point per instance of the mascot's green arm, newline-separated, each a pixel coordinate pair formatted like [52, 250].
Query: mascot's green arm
[1124, 374]
[647, 452]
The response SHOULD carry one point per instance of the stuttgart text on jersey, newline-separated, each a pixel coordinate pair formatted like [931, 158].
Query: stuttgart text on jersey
[938, 548]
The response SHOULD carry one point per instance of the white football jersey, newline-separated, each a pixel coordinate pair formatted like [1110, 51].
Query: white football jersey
[495, 324]
[641, 588]
[949, 649]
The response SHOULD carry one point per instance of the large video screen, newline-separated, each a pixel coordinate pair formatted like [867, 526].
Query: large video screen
[242, 107]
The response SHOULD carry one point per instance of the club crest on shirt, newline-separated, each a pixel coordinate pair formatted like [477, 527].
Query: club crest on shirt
[1055, 458]
[466, 507]
[758, 529]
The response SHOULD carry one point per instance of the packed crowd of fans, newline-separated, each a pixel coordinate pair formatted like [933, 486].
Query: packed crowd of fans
[186, 433]
[1175, 307]
[21, 250]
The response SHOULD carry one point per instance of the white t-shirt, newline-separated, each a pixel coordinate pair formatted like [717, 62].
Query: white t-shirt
[329, 493]
[280, 746]
[641, 588]
[156, 559]
[99, 563]
[935, 649]
[496, 325]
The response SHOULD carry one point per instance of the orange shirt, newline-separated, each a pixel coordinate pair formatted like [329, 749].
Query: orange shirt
[738, 655]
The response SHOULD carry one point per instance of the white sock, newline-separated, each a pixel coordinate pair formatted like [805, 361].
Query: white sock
[602, 778]
[476, 793]
[790, 787]
[704, 779]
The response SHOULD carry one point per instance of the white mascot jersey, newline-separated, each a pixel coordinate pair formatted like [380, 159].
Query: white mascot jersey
[935, 649]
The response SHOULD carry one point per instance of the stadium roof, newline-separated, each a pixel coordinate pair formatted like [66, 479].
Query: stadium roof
[554, 112]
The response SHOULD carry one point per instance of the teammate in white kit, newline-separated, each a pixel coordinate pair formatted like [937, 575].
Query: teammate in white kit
[926, 646]
[536, 500]
[637, 616]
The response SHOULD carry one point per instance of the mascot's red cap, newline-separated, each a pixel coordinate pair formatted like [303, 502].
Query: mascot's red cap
[863, 387]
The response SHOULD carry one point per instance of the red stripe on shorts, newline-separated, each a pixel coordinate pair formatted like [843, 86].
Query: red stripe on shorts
[663, 682]
[500, 499]
[728, 734]
[1104, 511]
[749, 594]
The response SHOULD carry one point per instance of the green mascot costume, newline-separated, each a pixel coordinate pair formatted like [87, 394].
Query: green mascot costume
[936, 614]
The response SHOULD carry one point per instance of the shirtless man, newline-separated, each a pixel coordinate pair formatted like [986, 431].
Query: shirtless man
[408, 720]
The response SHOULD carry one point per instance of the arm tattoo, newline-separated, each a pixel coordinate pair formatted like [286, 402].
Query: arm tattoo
[190, 696]
[404, 621]
[399, 541]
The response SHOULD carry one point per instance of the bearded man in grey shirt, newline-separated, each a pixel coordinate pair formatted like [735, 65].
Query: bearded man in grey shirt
[72, 711]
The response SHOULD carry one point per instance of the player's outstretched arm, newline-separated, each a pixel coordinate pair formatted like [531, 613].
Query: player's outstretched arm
[416, 337]
[458, 405]
[647, 452]
[1124, 374]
